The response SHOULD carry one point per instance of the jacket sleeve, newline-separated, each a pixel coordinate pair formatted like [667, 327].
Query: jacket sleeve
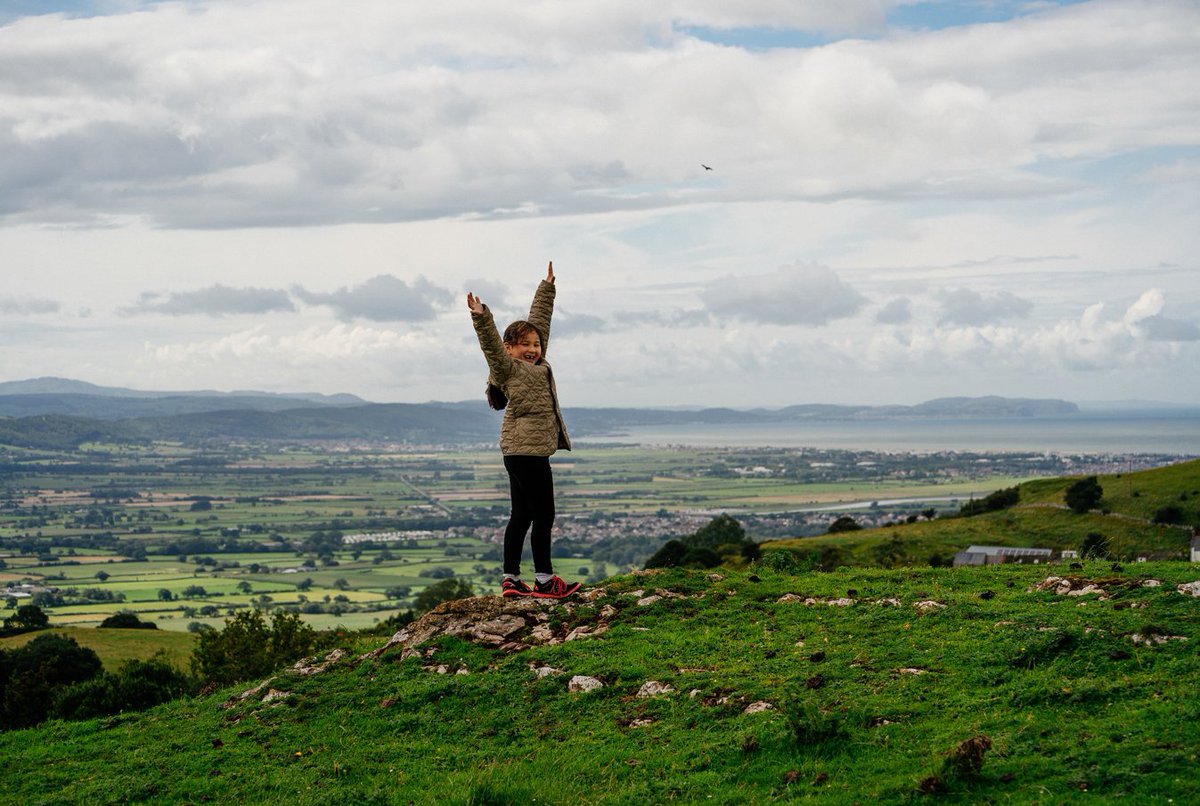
[541, 310]
[498, 360]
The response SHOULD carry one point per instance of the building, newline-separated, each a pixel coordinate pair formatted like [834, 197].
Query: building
[994, 555]
[1196, 548]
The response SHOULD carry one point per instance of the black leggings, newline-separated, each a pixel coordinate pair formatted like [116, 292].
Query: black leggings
[532, 488]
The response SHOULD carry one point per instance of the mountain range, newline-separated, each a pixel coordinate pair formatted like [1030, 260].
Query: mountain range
[62, 413]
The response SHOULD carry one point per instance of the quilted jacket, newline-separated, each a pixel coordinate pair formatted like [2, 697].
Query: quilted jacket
[533, 423]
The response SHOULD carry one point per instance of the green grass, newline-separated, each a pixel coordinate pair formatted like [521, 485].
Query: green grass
[1039, 520]
[1070, 704]
[117, 646]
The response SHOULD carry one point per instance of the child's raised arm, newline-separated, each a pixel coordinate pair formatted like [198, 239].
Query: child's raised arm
[474, 303]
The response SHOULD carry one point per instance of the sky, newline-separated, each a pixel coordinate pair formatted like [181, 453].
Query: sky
[902, 200]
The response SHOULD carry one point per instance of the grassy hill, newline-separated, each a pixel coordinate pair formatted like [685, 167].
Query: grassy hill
[867, 685]
[1040, 519]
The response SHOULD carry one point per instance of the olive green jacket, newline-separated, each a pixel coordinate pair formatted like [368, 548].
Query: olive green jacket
[533, 423]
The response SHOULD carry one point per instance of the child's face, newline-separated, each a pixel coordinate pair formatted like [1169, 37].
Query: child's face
[528, 347]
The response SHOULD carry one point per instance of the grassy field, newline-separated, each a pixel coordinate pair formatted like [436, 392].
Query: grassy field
[68, 521]
[857, 686]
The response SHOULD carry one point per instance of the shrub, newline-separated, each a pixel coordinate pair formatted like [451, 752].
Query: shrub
[844, 524]
[993, 502]
[127, 620]
[1170, 514]
[247, 648]
[136, 686]
[1084, 495]
[30, 675]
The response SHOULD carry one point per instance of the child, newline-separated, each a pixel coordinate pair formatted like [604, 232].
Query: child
[532, 430]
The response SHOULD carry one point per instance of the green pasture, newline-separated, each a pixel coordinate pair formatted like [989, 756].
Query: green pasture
[115, 646]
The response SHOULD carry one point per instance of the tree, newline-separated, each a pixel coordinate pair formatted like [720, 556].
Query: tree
[127, 620]
[27, 619]
[669, 556]
[193, 591]
[1084, 495]
[720, 530]
[844, 524]
[446, 590]
[29, 676]
[165, 594]
[101, 575]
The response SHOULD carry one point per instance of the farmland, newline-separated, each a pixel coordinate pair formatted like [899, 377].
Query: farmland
[349, 533]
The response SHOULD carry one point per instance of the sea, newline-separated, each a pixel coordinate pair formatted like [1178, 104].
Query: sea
[1167, 433]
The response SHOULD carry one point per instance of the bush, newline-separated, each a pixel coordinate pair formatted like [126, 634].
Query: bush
[1169, 514]
[136, 686]
[783, 561]
[127, 620]
[1084, 495]
[30, 675]
[247, 648]
[844, 524]
[993, 502]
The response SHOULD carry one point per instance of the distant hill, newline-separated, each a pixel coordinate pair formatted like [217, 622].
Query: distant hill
[208, 415]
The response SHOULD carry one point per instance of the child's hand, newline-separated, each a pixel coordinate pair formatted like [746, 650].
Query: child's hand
[550, 273]
[474, 303]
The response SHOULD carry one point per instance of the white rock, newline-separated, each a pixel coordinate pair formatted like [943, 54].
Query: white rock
[758, 707]
[1189, 588]
[581, 682]
[652, 688]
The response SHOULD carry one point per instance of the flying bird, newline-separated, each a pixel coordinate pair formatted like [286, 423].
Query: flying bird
[705, 167]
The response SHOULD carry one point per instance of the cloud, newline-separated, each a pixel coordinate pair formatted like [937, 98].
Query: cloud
[800, 294]
[24, 306]
[680, 317]
[218, 300]
[962, 306]
[493, 293]
[277, 112]
[383, 298]
[896, 312]
[569, 325]
[1161, 328]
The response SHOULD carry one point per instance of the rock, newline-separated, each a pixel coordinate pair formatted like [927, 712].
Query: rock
[310, 666]
[648, 600]
[929, 606]
[546, 671]
[889, 602]
[1189, 588]
[653, 688]
[758, 707]
[584, 683]
[790, 597]
[275, 694]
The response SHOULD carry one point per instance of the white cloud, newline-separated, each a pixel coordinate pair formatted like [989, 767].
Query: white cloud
[384, 298]
[964, 306]
[800, 294]
[217, 300]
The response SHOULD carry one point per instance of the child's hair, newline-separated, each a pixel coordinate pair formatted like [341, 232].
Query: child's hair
[514, 332]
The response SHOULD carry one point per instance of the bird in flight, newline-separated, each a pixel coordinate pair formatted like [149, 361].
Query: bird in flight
[705, 167]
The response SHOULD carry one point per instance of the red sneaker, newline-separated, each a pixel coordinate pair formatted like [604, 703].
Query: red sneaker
[514, 587]
[555, 588]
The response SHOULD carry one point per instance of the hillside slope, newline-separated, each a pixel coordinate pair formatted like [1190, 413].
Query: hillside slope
[1040, 519]
[985, 684]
